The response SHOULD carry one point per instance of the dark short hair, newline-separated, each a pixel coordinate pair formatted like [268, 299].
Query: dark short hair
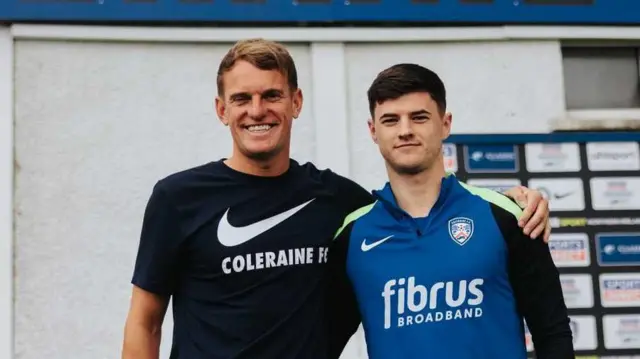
[403, 79]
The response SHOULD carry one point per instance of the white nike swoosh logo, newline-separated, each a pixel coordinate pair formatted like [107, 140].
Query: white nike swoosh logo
[230, 236]
[367, 247]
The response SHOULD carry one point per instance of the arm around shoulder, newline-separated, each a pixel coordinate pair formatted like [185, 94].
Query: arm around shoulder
[536, 285]
[351, 194]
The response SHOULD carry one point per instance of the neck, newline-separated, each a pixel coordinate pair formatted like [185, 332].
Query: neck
[417, 193]
[268, 167]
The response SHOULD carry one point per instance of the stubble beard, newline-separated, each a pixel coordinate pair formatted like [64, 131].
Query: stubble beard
[263, 156]
[417, 168]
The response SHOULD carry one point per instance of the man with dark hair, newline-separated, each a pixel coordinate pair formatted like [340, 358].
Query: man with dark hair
[435, 268]
[240, 244]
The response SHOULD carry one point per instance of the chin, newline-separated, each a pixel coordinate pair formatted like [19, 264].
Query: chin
[261, 153]
[407, 168]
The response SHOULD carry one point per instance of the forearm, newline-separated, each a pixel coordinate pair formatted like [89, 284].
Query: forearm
[141, 342]
[539, 296]
[555, 345]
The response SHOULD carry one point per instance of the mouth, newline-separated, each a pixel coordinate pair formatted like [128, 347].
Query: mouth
[261, 128]
[407, 145]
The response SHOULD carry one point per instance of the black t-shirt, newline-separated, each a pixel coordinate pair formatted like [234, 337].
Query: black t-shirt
[243, 258]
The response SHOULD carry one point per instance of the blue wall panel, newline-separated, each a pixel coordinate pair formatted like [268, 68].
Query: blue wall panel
[352, 11]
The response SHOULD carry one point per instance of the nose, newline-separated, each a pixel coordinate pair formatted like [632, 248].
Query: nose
[405, 130]
[257, 109]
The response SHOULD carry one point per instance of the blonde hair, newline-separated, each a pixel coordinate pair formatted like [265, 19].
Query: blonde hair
[263, 54]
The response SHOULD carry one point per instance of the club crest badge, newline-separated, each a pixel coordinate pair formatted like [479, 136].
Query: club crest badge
[460, 229]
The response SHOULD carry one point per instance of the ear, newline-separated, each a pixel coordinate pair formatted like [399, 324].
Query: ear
[372, 130]
[297, 100]
[220, 110]
[447, 120]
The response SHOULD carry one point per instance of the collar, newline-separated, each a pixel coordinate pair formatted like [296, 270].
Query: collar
[388, 199]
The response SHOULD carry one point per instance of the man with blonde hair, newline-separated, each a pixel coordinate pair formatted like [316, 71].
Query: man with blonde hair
[240, 244]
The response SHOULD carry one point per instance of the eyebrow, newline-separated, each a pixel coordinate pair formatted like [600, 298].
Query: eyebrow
[271, 91]
[414, 113]
[239, 95]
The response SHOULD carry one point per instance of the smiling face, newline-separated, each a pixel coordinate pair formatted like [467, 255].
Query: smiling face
[259, 108]
[409, 131]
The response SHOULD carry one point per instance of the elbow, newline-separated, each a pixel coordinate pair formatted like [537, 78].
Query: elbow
[136, 335]
[146, 326]
[559, 330]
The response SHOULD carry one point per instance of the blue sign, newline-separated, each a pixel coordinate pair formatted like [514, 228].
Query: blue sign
[491, 158]
[449, 150]
[336, 11]
[622, 249]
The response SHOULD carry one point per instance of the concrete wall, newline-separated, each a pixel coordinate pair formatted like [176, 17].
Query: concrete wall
[97, 123]
[6, 193]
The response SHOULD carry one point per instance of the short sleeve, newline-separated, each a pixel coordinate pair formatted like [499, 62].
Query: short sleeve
[157, 260]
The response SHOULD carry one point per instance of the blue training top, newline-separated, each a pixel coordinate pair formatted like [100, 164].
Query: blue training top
[455, 284]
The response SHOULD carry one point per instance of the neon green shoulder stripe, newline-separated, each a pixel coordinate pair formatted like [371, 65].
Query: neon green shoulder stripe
[494, 197]
[353, 216]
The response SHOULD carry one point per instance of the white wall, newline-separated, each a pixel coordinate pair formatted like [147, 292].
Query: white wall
[6, 193]
[97, 123]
